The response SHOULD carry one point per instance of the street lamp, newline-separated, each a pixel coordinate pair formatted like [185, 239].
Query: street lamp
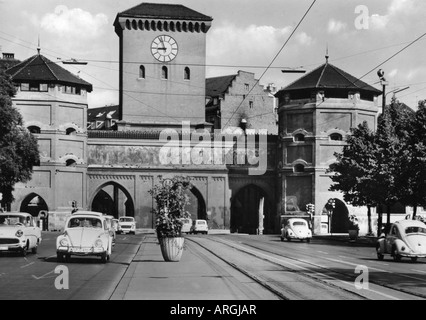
[384, 83]
[331, 204]
[397, 90]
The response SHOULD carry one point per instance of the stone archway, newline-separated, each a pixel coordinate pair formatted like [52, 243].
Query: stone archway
[197, 206]
[113, 199]
[246, 210]
[33, 204]
[338, 216]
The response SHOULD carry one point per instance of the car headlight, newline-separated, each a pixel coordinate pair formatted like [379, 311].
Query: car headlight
[19, 233]
[403, 248]
[98, 243]
[64, 242]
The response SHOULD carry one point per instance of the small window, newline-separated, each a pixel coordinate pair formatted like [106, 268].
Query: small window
[299, 137]
[71, 163]
[71, 132]
[336, 137]
[299, 168]
[251, 104]
[164, 73]
[34, 129]
[246, 86]
[142, 72]
[25, 87]
[43, 87]
[187, 74]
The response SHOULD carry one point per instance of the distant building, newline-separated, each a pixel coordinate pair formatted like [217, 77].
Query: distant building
[8, 61]
[103, 118]
[238, 100]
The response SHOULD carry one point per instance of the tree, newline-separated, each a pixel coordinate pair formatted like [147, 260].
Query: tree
[372, 168]
[18, 147]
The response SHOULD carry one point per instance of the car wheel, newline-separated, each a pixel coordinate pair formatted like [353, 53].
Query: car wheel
[396, 256]
[104, 257]
[59, 257]
[24, 250]
[282, 238]
[380, 256]
[67, 258]
[34, 250]
[288, 239]
[413, 259]
[308, 240]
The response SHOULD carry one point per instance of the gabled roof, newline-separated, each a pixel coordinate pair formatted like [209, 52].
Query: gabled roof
[329, 76]
[164, 11]
[39, 68]
[218, 86]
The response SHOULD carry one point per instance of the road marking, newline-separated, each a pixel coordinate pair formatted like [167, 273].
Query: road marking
[356, 264]
[43, 276]
[27, 265]
[322, 252]
[418, 271]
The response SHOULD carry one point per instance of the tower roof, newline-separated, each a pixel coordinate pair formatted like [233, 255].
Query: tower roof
[218, 86]
[164, 11]
[39, 68]
[330, 76]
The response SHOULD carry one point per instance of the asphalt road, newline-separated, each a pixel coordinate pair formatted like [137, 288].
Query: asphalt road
[40, 277]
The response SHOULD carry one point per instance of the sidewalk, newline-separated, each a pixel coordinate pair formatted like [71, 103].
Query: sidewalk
[344, 237]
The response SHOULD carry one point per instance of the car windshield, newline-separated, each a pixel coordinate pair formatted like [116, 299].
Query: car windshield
[201, 222]
[415, 229]
[12, 220]
[85, 222]
[186, 221]
[126, 219]
[299, 223]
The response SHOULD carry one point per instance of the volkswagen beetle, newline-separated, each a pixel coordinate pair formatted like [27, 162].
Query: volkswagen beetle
[19, 232]
[406, 238]
[296, 228]
[86, 233]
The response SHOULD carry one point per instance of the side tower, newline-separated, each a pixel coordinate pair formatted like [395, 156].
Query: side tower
[162, 66]
[53, 103]
[316, 114]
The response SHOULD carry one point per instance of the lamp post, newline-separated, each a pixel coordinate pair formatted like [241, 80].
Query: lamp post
[331, 204]
[397, 90]
[384, 83]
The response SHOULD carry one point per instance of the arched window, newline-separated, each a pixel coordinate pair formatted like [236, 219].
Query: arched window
[134, 25]
[336, 137]
[299, 137]
[71, 163]
[147, 25]
[71, 131]
[187, 74]
[34, 129]
[142, 72]
[128, 25]
[164, 73]
[299, 168]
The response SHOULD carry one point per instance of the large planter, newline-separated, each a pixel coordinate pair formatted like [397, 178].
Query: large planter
[172, 248]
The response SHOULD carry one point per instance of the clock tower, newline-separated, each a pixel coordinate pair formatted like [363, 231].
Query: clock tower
[162, 66]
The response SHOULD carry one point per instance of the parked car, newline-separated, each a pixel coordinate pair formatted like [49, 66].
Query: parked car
[86, 233]
[186, 226]
[19, 232]
[110, 225]
[406, 238]
[199, 226]
[296, 228]
[127, 225]
[115, 224]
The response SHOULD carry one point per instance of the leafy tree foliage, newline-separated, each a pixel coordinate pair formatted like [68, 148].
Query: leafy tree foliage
[376, 168]
[18, 147]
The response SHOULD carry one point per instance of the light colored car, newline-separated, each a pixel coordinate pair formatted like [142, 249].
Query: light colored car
[296, 229]
[406, 238]
[186, 226]
[199, 226]
[115, 224]
[110, 225]
[19, 232]
[127, 225]
[86, 233]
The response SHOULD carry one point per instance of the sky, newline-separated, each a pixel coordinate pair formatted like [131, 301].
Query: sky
[263, 37]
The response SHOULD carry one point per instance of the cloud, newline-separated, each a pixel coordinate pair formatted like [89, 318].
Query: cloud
[230, 43]
[100, 98]
[304, 39]
[75, 22]
[393, 73]
[335, 26]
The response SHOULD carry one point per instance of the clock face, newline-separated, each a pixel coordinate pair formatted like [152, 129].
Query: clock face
[164, 48]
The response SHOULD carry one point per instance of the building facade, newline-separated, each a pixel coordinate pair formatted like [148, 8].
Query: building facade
[243, 181]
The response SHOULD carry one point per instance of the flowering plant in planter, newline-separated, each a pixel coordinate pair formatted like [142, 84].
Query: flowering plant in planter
[353, 223]
[171, 199]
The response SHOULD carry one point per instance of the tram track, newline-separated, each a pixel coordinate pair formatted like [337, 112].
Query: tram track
[339, 284]
[284, 282]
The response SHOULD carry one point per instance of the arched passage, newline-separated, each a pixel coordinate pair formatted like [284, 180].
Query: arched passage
[247, 208]
[33, 204]
[338, 216]
[112, 199]
[197, 205]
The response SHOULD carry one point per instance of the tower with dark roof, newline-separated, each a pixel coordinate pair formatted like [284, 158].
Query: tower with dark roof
[316, 113]
[53, 104]
[162, 66]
